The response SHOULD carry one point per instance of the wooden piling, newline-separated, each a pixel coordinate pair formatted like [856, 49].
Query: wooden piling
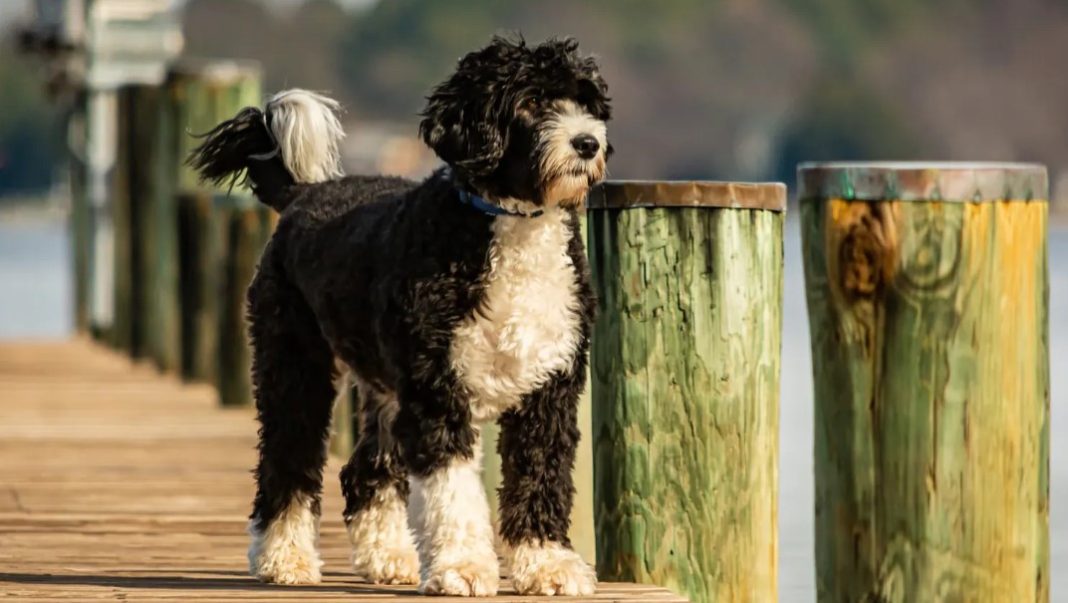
[200, 244]
[928, 297]
[148, 155]
[248, 226]
[80, 213]
[214, 346]
[125, 333]
[161, 250]
[685, 363]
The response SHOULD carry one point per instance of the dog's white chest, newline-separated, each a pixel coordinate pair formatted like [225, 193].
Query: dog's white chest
[528, 325]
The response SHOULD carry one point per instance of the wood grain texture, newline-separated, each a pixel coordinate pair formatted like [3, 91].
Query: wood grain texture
[930, 350]
[117, 483]
[686, 356]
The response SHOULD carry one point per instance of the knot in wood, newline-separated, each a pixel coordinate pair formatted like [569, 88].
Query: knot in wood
[860, 261]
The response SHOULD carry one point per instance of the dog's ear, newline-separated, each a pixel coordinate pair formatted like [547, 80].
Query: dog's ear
[463, 136]
[467, 117]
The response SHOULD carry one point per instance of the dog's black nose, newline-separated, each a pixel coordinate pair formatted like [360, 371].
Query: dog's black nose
[585, 145]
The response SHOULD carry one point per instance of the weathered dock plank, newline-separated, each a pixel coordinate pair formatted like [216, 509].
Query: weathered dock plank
[119, 484]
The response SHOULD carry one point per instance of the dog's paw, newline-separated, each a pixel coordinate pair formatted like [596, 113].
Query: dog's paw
[551, 569]
[465, 579]
[397, 566]
[288, 566]
[286, 552]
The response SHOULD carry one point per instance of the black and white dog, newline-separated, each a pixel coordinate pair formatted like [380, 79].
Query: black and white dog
[460, 299]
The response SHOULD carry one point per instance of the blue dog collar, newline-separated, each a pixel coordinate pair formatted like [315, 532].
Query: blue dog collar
[490, 209]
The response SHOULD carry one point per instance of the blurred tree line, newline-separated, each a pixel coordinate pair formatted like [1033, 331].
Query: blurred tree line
[702, 88]
[30, 136]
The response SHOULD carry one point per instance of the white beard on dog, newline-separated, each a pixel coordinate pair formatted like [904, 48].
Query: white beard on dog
[527, 327]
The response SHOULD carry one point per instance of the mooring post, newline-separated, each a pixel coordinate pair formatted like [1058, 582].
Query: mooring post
[928, 297]
[147, 280]
[685, 363]
[80, 222]
[214, 349]
[131, 213]
[248, 226]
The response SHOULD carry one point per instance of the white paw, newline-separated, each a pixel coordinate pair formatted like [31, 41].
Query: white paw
[289, 566]
[465, 579]
[398, 566]
[383, 551]
[551, 569]
[286, 552]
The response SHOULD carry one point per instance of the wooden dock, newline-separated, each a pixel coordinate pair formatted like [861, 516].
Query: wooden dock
[117, 483]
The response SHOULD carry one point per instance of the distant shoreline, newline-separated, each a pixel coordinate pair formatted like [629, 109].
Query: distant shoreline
[35, 210]
[31, 210]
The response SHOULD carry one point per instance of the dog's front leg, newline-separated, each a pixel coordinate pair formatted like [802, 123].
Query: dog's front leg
[447, 506]
[537, 446]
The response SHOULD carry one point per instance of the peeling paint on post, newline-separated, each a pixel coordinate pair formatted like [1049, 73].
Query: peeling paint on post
[928, 298]
[685, 362]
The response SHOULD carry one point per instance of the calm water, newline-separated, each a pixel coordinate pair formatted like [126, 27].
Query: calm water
[35, 282]
[35, 302]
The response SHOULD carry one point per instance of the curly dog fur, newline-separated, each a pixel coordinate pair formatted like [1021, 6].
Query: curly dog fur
[459, 299]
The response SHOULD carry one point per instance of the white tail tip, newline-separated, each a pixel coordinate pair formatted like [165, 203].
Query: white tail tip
[308, 132]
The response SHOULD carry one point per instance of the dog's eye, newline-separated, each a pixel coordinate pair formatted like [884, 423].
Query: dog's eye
[532, 102]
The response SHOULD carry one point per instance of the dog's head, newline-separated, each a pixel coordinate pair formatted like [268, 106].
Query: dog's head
[522, 123]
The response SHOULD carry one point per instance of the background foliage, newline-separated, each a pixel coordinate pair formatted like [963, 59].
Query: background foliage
[703, 89]
[29, 132]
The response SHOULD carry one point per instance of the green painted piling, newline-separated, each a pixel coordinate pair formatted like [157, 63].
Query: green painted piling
[145, 222]
[247, 226]
[213, 342]
[928, 306]
[685, 363]
[161, 250]
[200, 245]
[81, 233]
[125, 333]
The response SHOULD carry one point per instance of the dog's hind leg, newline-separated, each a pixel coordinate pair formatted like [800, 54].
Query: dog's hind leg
[537, 445]
[292, 373]
[375, 484]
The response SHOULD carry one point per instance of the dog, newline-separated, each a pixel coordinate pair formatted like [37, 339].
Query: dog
[460, 299]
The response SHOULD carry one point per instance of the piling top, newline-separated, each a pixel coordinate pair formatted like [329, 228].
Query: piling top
[923, 181]
[219, 72]
[627, 194]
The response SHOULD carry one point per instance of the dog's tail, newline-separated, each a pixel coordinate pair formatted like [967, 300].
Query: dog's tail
[293, 139]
